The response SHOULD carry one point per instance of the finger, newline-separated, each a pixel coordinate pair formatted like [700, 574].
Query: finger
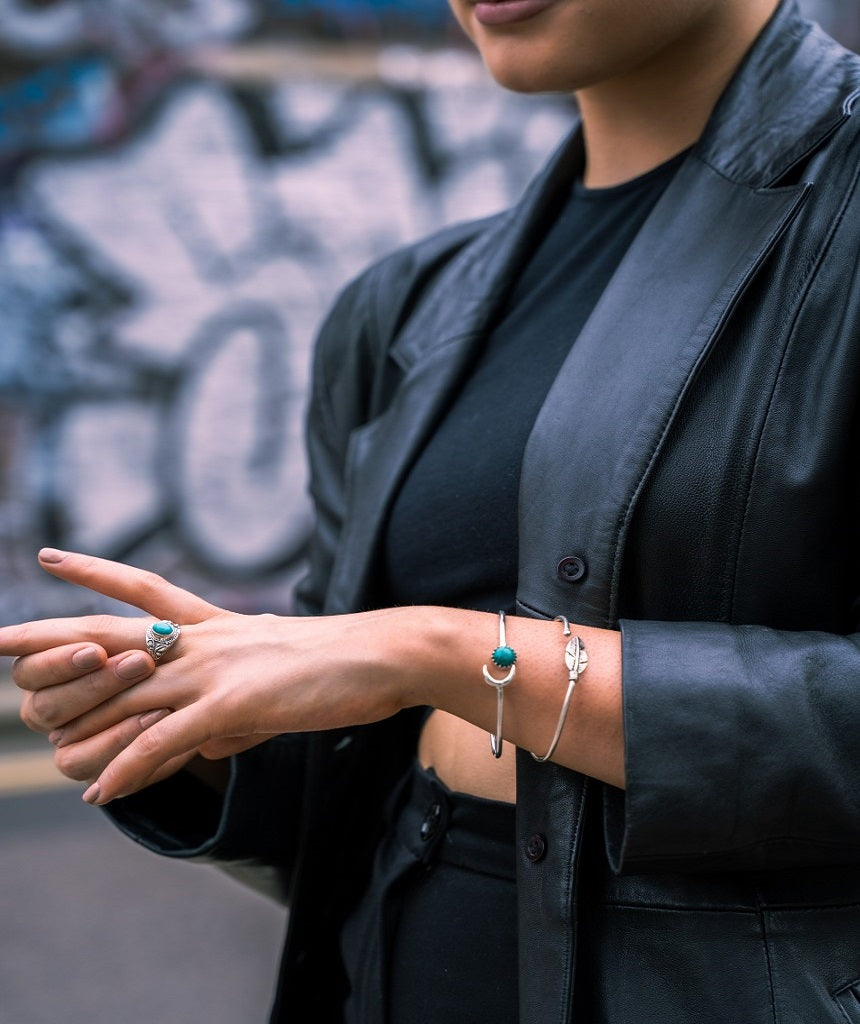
[128, 698]
[55, 709]
[58, 665]
[179, 735]
[89, 758]
[170, 768]
[137, 587]
[115, 634]
[112, 632]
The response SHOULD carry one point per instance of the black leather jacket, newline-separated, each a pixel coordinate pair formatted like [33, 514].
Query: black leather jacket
[693, 477]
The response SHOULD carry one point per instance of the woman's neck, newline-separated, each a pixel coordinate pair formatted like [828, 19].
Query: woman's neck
[636, 121]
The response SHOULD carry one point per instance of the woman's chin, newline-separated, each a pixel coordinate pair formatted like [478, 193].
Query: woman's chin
[529, 72]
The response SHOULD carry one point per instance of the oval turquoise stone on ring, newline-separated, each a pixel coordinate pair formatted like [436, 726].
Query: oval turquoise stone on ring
[504, 657]
[160, 636]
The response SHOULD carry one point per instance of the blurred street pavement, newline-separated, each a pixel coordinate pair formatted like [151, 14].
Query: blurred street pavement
[96, 930]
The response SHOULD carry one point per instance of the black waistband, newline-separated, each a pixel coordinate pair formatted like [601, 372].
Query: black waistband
[437, 824]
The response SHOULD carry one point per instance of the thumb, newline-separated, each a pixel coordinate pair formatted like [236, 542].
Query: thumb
[137, 587]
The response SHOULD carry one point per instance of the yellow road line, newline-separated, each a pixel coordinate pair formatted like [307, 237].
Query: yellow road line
[30, 773]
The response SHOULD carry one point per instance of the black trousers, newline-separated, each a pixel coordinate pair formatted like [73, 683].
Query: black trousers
[434, 938]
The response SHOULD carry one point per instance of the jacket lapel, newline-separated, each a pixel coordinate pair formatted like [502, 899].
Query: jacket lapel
[433, 352]
[658, 320]
[379, 454]
[622, 384]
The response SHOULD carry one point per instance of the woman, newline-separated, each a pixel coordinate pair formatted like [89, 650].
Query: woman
[629, 403]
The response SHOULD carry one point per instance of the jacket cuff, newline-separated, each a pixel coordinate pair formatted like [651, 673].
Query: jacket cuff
[255, 820]
[739, 749]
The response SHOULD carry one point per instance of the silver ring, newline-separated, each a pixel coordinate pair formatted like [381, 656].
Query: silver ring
[161, 636]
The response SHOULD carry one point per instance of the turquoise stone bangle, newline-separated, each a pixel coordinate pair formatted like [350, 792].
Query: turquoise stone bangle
[504, 657]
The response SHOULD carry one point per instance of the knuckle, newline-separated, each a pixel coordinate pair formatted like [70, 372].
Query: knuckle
[148, 741]
[150, 585]
[92, 689]
[25, 634]
[41, 716]
[36, 671]
[102, 624]
[72, 765]
[27, 716]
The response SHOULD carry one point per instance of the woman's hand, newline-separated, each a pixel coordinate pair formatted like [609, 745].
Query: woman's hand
[230, 681]
[63, 681]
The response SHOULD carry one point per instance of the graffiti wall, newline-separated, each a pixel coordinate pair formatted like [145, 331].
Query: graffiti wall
[184, 186]
[176, 214]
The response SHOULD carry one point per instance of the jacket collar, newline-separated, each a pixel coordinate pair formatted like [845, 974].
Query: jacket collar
[795, 86]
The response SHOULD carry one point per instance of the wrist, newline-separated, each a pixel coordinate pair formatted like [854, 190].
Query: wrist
[435, 653]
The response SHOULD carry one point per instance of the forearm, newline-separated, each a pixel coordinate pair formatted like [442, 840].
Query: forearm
[434, 656]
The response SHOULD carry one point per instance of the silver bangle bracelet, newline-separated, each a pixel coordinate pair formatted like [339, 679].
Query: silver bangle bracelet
[576, 660]
[503, 657]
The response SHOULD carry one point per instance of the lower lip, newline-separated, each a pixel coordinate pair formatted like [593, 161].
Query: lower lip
[508, 12]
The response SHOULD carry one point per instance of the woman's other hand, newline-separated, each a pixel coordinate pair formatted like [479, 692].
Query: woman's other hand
[230, 682]
[63, 682]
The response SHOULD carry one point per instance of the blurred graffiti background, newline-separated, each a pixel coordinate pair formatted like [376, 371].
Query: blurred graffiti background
[184, 185]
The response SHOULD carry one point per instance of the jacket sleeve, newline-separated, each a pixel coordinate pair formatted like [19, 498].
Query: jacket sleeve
[251, 827]
[741, 749]
[741, 737]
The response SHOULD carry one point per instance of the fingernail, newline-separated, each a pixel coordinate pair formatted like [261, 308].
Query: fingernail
[91, 796]
[51, 555]
[151, 717]
[88, 657]
[56, 736]
[133, 667]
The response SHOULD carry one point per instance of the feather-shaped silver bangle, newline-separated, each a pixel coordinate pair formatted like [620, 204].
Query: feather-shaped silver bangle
[576, 660]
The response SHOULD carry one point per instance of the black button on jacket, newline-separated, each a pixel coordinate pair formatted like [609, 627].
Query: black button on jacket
[709, 474]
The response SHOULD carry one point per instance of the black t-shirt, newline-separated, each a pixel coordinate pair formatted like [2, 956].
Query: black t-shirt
[452, 534]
